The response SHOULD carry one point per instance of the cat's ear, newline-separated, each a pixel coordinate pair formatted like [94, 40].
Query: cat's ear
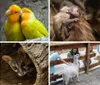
[6, 58]
[21, 52]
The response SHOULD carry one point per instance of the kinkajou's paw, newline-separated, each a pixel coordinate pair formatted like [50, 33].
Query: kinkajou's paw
[76, 19]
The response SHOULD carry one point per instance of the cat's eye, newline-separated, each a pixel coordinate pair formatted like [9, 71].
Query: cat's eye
[14, 67]
[22, 64]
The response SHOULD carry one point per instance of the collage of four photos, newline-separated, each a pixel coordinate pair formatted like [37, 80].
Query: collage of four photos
[49, 42]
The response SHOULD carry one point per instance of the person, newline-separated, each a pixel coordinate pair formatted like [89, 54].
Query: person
[54, 57]
[73, 52]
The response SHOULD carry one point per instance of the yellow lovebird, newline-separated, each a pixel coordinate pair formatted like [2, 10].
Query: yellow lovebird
[31, 27]
[12, 27]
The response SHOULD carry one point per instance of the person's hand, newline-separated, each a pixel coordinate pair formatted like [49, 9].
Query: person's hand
[77, 54]
[66, 63]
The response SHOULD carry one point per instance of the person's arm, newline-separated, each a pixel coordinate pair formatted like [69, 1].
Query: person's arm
[63, 60]
[58, 56]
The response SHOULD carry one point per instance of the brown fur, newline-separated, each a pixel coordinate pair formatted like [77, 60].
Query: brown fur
[81, 31]
[95, 24]
[92, 8]
[57, 23]
[52, 13]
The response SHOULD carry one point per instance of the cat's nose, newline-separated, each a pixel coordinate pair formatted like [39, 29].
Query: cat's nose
[19, 74]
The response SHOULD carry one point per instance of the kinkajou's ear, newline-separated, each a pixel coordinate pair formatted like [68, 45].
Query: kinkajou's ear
[6, 58]
[64, 9]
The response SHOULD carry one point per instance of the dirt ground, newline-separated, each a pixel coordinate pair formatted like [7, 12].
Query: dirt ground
[7, 76]
[93, 78]
[39, 7]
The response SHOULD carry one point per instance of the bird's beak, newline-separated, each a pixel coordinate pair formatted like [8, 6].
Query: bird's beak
[8, 12]
[21, 12]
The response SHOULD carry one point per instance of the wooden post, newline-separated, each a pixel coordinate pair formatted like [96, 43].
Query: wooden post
[87, 57]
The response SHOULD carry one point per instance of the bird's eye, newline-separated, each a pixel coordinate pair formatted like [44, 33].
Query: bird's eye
[15, 12]
[27, 11]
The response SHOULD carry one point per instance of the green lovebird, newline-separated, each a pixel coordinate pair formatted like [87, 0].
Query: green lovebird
[31, 27]
[12, 27]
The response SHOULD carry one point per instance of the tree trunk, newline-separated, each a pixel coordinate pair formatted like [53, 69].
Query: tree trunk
[38, 53]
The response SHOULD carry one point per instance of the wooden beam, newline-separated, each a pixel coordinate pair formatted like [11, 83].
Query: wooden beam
[66, 46]
[59, 47]
[90, 66]
[56, 62]
[94, 44]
